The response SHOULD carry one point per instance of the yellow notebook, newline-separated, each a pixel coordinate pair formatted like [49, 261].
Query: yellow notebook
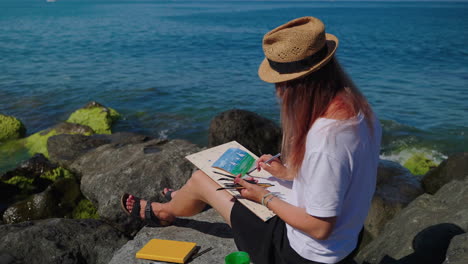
[167, 250]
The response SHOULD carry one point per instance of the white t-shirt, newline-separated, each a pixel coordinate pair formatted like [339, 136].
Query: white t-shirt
[337, 178]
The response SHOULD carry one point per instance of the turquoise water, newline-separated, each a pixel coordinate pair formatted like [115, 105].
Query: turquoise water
[171, 66]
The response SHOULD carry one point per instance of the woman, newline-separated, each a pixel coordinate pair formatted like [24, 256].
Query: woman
[330, 150]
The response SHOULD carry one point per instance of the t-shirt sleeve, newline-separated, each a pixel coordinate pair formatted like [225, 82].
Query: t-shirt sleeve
[324, 183]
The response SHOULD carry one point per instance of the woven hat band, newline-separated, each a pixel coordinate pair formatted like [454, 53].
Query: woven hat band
[300, 65]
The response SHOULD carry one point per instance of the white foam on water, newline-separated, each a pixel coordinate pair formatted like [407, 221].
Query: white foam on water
[163, 134]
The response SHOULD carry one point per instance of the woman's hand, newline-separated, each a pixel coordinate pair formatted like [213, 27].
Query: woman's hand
[251, 191]
[275, 167]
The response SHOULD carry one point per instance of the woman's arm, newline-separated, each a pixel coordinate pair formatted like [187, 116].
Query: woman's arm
[316, 227]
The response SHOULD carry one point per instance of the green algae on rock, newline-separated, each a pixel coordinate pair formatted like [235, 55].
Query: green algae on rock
[96, 116]
[37, 143]
[58, 173]
[37, 206]
[24, 184]
[453, 168]
[85, 210]
[11, 128]
[58, 200]
[419, 164]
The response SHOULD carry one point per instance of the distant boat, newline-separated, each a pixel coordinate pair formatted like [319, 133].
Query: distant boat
[50, 1]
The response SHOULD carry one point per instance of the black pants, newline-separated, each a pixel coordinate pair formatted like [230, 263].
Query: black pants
[266, 242]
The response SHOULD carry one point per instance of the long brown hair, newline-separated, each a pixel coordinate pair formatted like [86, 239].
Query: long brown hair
[306, 99]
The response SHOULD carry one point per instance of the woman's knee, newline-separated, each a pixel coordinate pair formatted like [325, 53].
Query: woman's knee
[198, 177]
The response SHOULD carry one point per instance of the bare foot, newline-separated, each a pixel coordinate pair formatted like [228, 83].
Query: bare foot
[157, 209]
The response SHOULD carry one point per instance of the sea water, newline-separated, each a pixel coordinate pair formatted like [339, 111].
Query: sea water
[169, 67]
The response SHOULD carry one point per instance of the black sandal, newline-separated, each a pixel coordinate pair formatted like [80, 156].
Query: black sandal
[150, 219]
[168, 194]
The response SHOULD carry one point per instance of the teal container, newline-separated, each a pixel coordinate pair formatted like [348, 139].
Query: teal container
[239, 257]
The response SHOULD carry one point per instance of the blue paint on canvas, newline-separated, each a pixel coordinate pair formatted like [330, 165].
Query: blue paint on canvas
[235, 161]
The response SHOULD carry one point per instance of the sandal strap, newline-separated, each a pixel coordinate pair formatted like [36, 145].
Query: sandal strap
[149, 215]
[168, 195]
[148, 211]
[136, 208]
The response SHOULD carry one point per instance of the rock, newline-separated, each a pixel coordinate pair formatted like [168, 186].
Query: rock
[457, 252]
[25, 185]
[64, 149]
[34, 175]
[396, 188]
[453, 168]
[421, 232]
[256, 133]
[85, 210]
[7, 192]
[38, 206]
[142, 169]
[93, 118]
[58, 200]
[31, 168]
[11, 128]
[206, 229]
[57, 173]
[27, 178]
[419, 164]
[96, 116]
[59, 241]
[37, 143]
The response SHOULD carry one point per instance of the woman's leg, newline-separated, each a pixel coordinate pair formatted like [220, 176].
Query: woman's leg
[191, 199]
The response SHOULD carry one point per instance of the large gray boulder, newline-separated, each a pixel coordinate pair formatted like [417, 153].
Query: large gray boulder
[65, 148]
[453, 168]
[142, 169]
[396, 188]
[421, 232]
[256, 133]
[457, 253]
[206, 229]
[61, 241]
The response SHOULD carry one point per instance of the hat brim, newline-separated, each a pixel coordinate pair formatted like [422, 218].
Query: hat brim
[267, 74]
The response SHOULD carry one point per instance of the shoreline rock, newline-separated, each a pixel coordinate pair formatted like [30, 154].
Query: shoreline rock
[258, 134]
[207, 229]
[96, 116]
[66, 148]
[422, 231]
[58, 200]
[142, 169]
[11, 128]
[457, 252]
[396, 188]
[37, 142]
[59, 240]
[107, 165]
[454, 167]
[93, 118]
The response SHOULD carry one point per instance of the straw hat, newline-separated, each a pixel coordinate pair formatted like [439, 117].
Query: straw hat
[296, 49]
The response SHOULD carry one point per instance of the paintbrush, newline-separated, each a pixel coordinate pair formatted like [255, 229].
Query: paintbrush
[233, 177]
[241, 187]
[267, 162]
